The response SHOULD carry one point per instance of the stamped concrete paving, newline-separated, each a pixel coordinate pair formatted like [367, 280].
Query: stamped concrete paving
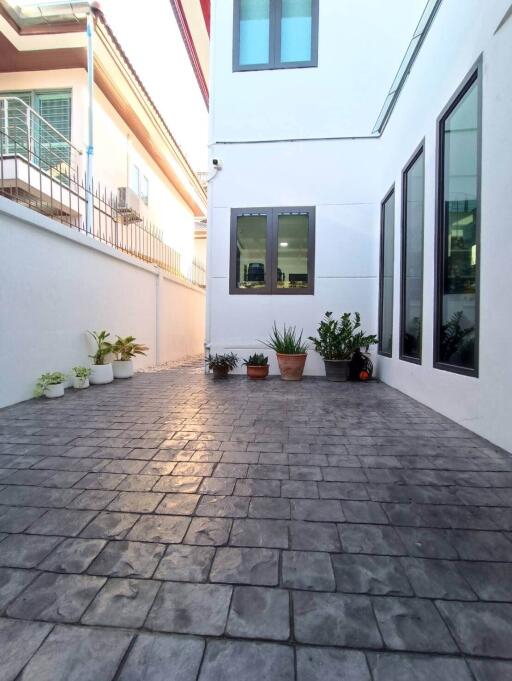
[173, 528]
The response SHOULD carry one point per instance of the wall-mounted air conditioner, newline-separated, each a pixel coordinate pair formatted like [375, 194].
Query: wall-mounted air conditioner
[128, 205]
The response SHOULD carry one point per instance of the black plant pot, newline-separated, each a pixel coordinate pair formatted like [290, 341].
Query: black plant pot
[220, 372]
[336, 369]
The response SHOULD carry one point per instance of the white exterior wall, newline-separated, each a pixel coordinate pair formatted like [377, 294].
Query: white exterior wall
[55, 284]
[345, 179]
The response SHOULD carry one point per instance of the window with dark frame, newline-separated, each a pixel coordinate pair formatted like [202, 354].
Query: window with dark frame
[413, 208]
[386, 274]
[458, 231]
[272, 251]
[275, 34]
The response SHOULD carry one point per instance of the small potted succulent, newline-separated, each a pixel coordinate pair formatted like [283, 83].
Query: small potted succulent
[50, 385]
[124, 350]
[80, 377]
[221, 365]
[101, 370]
[257, 366]
[338, 340]
[291, 352]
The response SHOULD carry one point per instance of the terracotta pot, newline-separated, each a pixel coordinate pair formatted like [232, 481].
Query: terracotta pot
[257, 372]
[336, 369]
[291, 366]
[220, 372]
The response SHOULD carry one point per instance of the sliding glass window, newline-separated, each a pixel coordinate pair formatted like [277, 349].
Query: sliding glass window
[411, 316]
[275, 34]
[272, 250]
[456, 341]
[386, 278]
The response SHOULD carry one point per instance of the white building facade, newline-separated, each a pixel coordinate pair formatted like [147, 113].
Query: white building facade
[323, 204]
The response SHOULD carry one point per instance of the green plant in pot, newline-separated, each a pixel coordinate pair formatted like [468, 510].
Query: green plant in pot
[125, 349]
[50, 385]
[257, 366]
[221, 365]
[337, 340]
[290, 350]
[101, 370]
[80, 377]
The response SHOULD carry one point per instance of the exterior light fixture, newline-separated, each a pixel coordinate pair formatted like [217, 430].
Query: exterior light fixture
[284, 244]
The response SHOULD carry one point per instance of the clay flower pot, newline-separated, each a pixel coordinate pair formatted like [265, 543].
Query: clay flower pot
[291, 366]
[257, 372]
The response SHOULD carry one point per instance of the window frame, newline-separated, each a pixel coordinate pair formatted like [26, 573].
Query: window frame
[271, 254]
[418, 152]
[274, 60]
[475, 75]
[387, 197]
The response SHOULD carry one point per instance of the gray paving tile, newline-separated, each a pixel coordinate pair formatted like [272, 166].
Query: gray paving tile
[138, 483]
[328, 510]
[259, 612]
[401, 667]
[62, 522]
[178, 483]
[168, 529]
[329, 664]
[128, 559]
[473, 545]
[413, 625]
[186, 563]
[306, 536]
[110, 525]
[163, 658]
[78, 654]
[307, 570]
[18, 642]
[43, 497]
[94, 500]
[16, 519]
[245, 566]
[364, 512]
[136, 502]
[219, 486]
[122, 603]
[101, 480]
[372, 539]
[208, 531]
[178, 504]
[438, 579]
[427, 543]
[12, 583]
[487, 670]
[56, 598]
[73, 555]
[236, 660]
[26, 551]
[223, 507]
[490, 581]
[335, 620]
[480, 628]
[254, 487]
[269, 507]
[272, 534]
[383, 575]
[190, 609]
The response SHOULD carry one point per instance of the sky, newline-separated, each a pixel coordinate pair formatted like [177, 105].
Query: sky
[149, 35]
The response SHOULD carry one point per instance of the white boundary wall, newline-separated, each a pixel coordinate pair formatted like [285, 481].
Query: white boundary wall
[56, 283]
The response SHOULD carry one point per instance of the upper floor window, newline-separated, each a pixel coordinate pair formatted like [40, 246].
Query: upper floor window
[139, 183]
[387, 248]
[275, 34]
[458, 231]
[272, 250]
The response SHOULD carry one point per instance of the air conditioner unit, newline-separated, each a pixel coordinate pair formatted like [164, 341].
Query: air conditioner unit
[128, 205]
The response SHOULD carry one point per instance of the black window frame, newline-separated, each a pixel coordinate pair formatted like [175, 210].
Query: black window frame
[475, 75]
[390, 194]
[274, 62]
[418, 153]
[270, 288]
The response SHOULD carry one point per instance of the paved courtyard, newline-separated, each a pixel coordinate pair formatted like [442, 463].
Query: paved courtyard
[173, 528]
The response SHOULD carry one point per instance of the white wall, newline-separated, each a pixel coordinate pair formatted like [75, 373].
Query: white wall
[347, 178]
[56, 283]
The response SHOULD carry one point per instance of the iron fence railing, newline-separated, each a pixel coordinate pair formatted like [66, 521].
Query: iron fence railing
[42, 177]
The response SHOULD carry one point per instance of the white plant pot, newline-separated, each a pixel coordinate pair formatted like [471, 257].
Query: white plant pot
[122, 368]
[101, 373]
[80, 383]
[56, 390]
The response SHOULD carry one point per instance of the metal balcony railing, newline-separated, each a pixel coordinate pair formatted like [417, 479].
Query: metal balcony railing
[40, 168]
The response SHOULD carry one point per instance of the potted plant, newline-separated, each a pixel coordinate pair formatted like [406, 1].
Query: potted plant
[50, 385]
[336, 342]
[291, 352]
[101, 371]
[80, 377]
[124, 350]
[221, 365]
[257, 366]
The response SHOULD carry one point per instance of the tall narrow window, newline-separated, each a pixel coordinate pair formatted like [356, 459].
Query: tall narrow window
[275, 34]
[458, 232]
[411, 315]
[387, 245]
[272, 250]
